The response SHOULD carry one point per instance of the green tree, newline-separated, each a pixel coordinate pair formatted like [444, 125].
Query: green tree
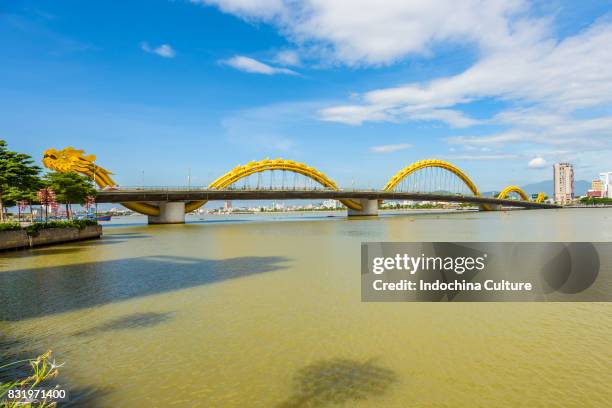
[70, 188]
[18, 174]
[12, 195]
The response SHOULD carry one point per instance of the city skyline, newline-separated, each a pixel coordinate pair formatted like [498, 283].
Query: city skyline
[202, 86]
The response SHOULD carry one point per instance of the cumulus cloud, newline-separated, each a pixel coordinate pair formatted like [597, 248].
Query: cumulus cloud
[549, 95]
[557, 90]
[391, 148]
[365, 32]
[253, 66]
[164, 50]
[537, 163]
[535, 70]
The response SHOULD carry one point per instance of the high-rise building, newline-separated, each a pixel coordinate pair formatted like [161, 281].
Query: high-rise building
[563, 176]
[606, 181]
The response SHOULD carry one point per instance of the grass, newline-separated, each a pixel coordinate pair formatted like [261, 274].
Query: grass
[42, 368]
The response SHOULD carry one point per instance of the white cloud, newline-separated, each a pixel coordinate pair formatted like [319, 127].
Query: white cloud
[390, 148]
[358, 32]
[494, 139]
[248, 9]
[451, 117]
[544, 128]
[559, 90]
[484, 157]
[549, 83]
[354, 115]
[357, 114]
[535, 70]
[253, 66]
[537, 163]
[163, 50]
[288, 57]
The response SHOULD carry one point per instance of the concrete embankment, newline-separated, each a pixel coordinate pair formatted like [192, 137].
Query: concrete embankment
[20, 239]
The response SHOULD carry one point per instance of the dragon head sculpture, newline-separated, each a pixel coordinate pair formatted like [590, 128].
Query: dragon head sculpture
[71, 159]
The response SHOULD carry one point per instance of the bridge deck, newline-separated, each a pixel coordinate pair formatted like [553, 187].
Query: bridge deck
[133, 195]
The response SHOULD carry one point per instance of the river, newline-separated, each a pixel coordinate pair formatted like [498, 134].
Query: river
[265, 311]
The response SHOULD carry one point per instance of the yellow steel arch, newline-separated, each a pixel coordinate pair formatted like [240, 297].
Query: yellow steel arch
[253, 167]
[512, 189]
[431, 163]
[71, 159]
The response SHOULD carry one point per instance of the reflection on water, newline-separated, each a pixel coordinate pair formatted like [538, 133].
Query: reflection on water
[84, 285]
[338, 381]
[132, 321]
[233, 314]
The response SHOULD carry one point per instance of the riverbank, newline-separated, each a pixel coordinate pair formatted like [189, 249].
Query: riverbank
[22, 238]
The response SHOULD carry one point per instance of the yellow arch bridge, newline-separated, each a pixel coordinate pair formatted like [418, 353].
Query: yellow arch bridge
[168, 205]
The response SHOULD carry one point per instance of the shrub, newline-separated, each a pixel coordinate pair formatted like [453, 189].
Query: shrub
[596, 201]
[9, 226]
[34, 229]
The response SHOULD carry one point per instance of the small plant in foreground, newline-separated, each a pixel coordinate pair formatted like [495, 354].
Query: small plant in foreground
[42, 368]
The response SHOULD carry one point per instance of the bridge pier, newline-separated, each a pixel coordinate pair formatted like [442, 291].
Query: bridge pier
[369, 208]
[171, 212]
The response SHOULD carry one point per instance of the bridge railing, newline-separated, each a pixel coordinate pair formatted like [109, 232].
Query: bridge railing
[206, 188]
[268, 188]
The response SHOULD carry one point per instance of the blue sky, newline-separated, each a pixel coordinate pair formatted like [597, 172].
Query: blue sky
[356, 89]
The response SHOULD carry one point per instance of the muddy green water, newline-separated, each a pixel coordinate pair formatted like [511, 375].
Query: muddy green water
[266, 312]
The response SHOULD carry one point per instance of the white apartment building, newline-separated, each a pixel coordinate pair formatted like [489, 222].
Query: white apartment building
[331, 204]
[606, 181]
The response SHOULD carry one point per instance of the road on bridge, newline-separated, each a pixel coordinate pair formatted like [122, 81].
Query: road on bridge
[161, 195]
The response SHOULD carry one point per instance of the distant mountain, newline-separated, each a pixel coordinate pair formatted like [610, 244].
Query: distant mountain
[546, 187]
[581, 187]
